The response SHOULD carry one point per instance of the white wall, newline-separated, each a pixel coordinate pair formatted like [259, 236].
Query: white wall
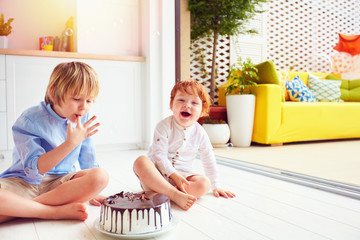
[158, 46]
[108, 27]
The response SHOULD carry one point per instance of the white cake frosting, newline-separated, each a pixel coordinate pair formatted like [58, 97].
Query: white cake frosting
[129, 213]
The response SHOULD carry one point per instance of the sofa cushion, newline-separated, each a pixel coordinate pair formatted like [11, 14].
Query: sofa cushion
[267, 73]
[325, 90]
[350, 89]
[313, 121]
[303, 76]
[298, 91]
[354, 87]
[284, 77]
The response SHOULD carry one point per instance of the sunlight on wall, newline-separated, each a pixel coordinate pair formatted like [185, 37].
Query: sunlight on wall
[36, 18]
[100, 27]
[108, 26]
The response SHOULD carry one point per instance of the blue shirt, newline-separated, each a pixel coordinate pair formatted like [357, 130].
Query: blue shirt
[37, 131]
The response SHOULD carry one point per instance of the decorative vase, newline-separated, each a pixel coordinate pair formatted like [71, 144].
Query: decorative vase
[219, 134]
[215, 113]
[3, 42]
[240, 112]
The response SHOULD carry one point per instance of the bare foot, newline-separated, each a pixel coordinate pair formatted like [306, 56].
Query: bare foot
[69, 211]
[183, 200]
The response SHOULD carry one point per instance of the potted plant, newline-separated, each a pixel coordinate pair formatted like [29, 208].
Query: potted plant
[219, 17]
[5, 30]
[240, 101]
[218, 131]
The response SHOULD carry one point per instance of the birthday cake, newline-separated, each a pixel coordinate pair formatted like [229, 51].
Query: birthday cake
[135, 213]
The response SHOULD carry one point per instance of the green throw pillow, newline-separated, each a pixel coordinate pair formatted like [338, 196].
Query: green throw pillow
[354, 90]
[325, 90]
[267, 73]
[350, 89]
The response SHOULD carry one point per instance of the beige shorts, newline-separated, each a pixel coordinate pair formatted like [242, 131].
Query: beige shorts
[167, 178]
[29, 191]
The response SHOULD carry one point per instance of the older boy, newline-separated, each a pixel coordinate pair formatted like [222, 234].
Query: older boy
[50, 139]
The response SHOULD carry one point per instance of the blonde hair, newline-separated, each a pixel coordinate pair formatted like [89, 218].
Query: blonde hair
[192, 87]
[71, 78]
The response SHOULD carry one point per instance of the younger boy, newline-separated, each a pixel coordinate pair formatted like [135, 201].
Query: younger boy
[49, 140]
[177, 140]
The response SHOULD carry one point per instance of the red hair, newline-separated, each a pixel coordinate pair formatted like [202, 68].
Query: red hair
[192, 87]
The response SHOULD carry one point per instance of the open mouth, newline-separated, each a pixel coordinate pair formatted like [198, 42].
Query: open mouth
[185, 114]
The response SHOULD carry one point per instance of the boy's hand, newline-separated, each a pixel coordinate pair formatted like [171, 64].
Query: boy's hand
[96, 201]
[82, 131]
[179, 181]
[220, 192]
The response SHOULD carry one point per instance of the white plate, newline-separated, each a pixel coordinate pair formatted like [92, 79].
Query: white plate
[168, 228]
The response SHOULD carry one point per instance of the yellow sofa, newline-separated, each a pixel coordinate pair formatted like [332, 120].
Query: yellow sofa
[278, 121]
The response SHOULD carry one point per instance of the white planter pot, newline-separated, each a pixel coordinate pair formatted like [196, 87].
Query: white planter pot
[219, 134]
[3, 42]
[240, 113]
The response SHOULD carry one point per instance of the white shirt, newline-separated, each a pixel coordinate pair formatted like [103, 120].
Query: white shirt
[174, 148]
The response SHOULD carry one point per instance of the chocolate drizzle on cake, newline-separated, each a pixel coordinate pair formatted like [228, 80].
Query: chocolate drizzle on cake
[142, 203]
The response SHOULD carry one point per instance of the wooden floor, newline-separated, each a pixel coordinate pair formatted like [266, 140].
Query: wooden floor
[334, 160]
[265, 208]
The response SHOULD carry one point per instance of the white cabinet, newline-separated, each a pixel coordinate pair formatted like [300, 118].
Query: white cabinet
[3, 124]
[118, 106]
[2, 67]
[3, 131]
[27, 79]
[2, 95]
